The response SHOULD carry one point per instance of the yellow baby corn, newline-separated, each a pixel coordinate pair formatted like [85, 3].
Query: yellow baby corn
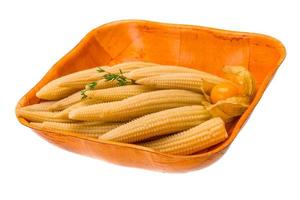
[53, 90]
[127, 66]
[66, 102]
[137, 106]
[159, 123]
[164, 69]
[39, 125]
[94, 129]
[80, 83]
[187, 81]
[105, 95]
[43, 106]
[36, 125]
[64, 114]
[40, 116]
[98, 75]
[122, 68]
[200, 137]
[117, 93]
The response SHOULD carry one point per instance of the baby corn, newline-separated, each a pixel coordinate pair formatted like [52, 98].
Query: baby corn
[53, 90]
[94, 129]
[117, 93]
[43, 106]
[40, 116]
[64, 114]
[66, 102]
[159, 123]
[81, 83]
[200, 137]
[127, 66]
[187, 81]
[137, 106]
[101, 71]
[165, 69]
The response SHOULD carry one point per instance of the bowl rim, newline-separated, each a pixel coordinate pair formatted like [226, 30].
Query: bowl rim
[237, 127]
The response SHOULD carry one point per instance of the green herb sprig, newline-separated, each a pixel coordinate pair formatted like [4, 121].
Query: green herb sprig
[89, 86]
[82, 93]
[100, 70]
[122, 80]
[119, 77]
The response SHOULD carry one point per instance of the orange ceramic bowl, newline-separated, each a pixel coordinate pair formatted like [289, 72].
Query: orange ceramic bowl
[197, 47]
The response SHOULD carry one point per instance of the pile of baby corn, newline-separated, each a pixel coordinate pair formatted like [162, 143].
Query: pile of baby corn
[171, 109]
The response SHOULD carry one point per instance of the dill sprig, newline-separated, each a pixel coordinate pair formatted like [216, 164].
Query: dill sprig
[100, 70]
[89, 86]
[119, 77]
[122, 80]
[82, 93]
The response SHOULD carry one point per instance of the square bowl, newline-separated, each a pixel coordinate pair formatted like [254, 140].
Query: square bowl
[203, 48]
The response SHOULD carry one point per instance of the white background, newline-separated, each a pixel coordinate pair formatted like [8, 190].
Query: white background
[262, 163]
